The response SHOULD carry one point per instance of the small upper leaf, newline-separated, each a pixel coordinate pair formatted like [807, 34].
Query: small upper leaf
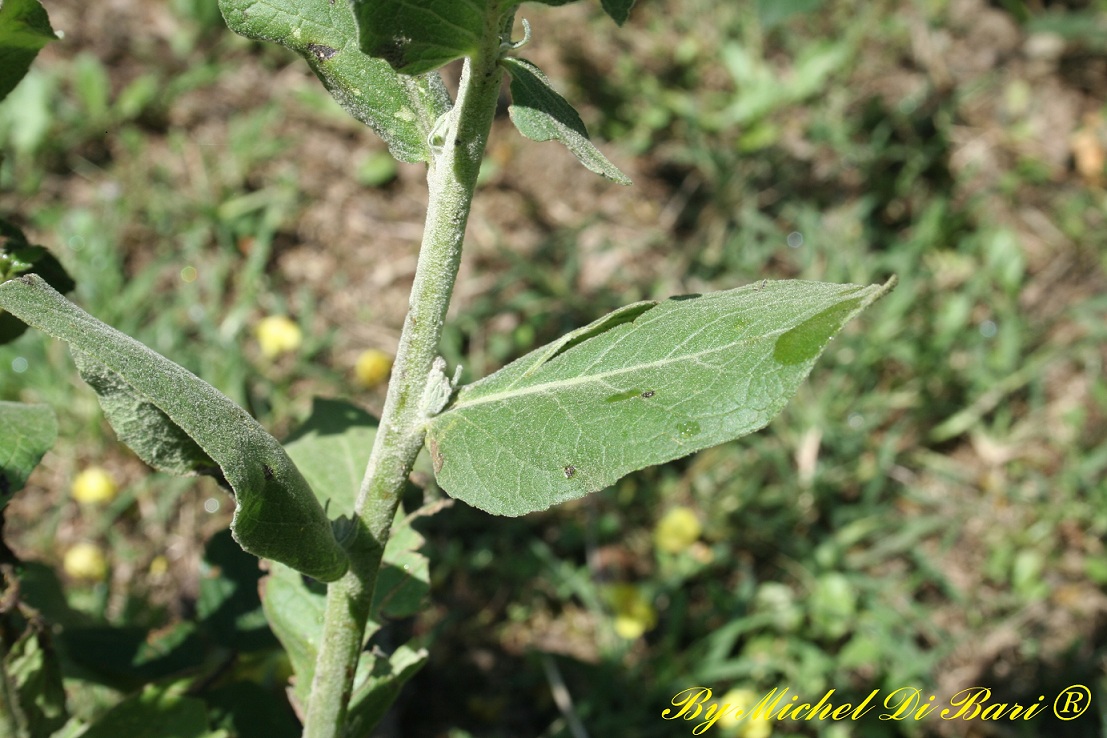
[17, 256]
[417, 37]
[276, 514]
[541, 114]
[619, 10]
[399, 110]
[27, 432]
[678, 377]
[24, 30]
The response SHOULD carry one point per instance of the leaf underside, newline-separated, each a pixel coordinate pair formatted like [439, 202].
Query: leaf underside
[398, 109]
[276, 513]
[689, 373]
[541, 114]
[27, 432]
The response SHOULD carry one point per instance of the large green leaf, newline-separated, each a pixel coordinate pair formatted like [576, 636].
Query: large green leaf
[686, 374]
[332, 447]
[417, 37]
[400, 110]
[27, 432]
[24, 30]
[541, 114]
[276, 513]
[228, 606]
[156, 712]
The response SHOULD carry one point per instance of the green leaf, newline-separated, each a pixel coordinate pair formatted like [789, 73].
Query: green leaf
[371, 700]
[126, 657]
[401, 111]
[686, 374]
[24, 30]
[17, 257]
[331, 448]
[249, 710]
[229, 607]
[276, 514]
[156, 712]
[142, 425]
[541, 114]
[619, 10]
[295, 609]
[417, 37]
[27, 432]
[33, 681]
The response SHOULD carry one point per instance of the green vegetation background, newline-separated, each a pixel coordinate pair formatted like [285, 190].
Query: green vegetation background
[929, 511]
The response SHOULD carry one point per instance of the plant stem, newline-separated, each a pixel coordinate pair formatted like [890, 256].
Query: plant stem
[451, 179]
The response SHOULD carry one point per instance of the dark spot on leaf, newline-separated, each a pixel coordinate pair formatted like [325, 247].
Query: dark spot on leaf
[620, 396]
[267, 471]
[322, 53]
[570, 471]
[394, 52]
[648, 394]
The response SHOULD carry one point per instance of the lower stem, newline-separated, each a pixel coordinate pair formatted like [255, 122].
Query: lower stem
[452, 179]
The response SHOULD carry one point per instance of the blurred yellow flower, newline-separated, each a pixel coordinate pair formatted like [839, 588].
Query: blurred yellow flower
[748, 726]
[93, 486]
[677, 530]
[634, 614]
[372, 368]
[277, 335]
[159, 566]
[85, 561]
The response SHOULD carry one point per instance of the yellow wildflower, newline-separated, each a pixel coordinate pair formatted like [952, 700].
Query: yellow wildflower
[277, 335]
[85, 561]
[372, 368]
[93, 486]
[634, 614]
[677, 530]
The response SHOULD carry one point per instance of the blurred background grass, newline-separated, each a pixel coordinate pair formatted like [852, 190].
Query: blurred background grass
[929, 511]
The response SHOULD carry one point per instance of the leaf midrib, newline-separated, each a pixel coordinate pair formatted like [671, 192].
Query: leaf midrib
[599, 377]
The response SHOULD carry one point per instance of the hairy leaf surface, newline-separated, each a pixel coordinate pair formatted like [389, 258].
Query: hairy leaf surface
[398, 109]
[417, 37]
[276, 514]
[683, 375]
